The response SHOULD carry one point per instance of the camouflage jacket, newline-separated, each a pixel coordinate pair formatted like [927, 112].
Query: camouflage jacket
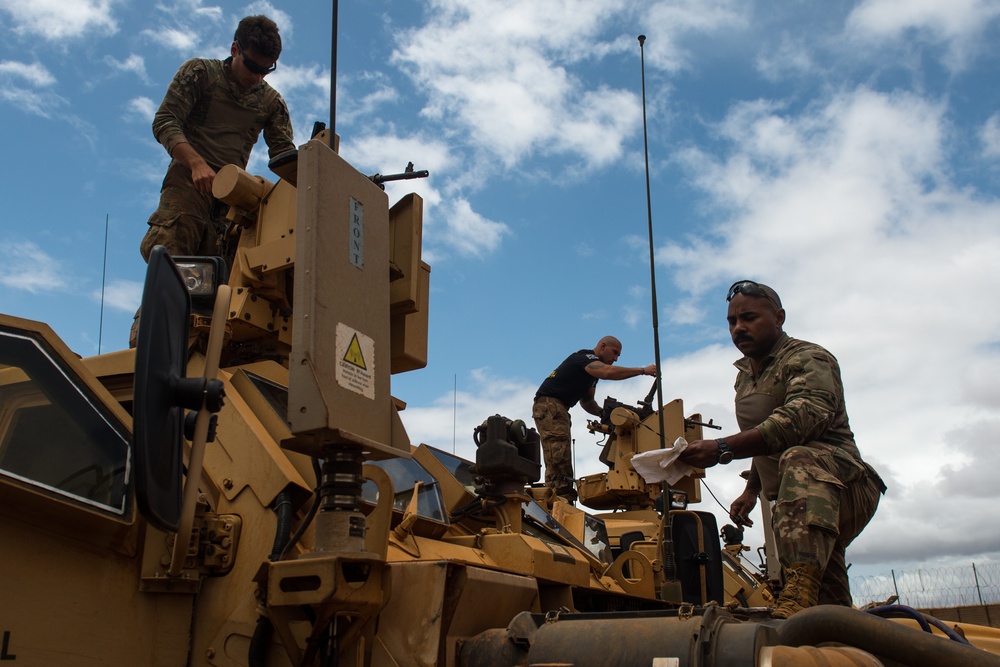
[206, 108]
[796, 398]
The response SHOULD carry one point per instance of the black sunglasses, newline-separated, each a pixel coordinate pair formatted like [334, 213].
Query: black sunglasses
[750, 288]
[252, 66]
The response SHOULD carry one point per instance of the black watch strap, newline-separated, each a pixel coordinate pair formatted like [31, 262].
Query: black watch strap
[725, 454]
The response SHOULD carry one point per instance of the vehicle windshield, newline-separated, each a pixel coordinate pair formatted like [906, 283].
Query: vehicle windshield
[54, 434]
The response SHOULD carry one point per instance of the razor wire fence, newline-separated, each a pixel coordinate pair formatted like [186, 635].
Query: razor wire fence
[936, 587]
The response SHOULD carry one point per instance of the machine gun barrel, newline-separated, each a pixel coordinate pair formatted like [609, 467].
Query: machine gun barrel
[688, 423]
[409, 173]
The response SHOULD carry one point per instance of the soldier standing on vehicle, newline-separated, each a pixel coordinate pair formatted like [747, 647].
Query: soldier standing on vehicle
[790, 409]
[574, 380]
[211, 116]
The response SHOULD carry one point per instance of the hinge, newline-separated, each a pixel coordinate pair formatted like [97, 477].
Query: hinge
[218, 537]
[212, 553]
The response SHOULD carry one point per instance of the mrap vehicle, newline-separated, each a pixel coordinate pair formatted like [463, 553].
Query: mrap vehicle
[239, 489]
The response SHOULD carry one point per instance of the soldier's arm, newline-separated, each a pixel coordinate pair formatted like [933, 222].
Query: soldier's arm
[182, 94]
[278, 133]
[812, 399]
[604, 371]
[589, 404]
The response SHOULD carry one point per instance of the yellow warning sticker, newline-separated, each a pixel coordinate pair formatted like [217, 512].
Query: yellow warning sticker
[355, 361]
[354, 354]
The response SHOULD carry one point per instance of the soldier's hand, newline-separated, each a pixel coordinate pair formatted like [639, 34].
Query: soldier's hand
[740, 510]
[203, 177]
[700, 454]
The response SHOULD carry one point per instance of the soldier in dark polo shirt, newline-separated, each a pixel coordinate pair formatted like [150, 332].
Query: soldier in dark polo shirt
[574, 381]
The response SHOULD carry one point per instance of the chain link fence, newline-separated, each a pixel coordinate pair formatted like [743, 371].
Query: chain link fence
[926, 588]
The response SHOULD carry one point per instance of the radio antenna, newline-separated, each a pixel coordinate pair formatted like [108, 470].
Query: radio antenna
[104, 280]
[333, 76]
[671, 589]
[652, 263]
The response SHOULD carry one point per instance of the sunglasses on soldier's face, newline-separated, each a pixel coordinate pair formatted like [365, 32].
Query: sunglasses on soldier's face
[750, 288]
[252, 66]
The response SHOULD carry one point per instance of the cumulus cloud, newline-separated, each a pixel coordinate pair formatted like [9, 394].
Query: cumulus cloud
[990, 137]
[134, 64]
[55, 20]
[501, 71]
[675, 22]
[184, 41]
[791, 57]
[27, 87]
[469, 233]
[24, 266]
[120, 295]
[847, 210]
[142, 108]
[959, 25]
[34, 74]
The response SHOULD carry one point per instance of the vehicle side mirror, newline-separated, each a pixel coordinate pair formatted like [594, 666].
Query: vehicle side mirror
[160, 364]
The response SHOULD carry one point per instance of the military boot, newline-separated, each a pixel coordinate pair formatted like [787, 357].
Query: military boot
[801, 590]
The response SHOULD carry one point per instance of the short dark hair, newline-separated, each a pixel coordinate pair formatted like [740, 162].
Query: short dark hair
[260, 35]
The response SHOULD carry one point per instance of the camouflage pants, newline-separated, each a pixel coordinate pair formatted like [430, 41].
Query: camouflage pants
[183, 221]
[824, 501]
[553, 424]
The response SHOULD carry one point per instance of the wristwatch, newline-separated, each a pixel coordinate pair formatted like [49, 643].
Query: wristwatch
[725, 454]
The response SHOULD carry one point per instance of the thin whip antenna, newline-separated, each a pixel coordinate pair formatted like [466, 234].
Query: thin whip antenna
[333, 75]
[671, 589]
[104, 280]
[652, 264]
[454, 417]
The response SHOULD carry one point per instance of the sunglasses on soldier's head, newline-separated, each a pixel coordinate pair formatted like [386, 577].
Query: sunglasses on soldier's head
[750, 288]
[252, 66]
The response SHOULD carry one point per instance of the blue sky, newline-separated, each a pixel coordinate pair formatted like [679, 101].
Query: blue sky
[846, 153]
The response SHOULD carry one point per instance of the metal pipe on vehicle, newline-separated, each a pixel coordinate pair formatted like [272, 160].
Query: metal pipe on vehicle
[880, 637]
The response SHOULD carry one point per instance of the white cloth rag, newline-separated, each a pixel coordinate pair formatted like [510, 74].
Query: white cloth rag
[661, 465]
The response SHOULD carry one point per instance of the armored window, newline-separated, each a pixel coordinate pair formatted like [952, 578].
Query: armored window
[55, 434]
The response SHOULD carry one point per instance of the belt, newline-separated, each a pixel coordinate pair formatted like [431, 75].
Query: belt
[550, 398]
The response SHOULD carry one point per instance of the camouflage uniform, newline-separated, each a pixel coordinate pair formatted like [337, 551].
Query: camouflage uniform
[206, 108]
[824, 493]
[561, 390]
[553, 423]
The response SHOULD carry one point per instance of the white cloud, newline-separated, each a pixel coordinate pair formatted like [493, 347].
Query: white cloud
[142, 108]
[791, 57]
[450, 223]
[134, 64]
[121, 295]
[27, 87]
[958, 24]
[847, 210]
[57, 20]
[35, 74]
[24, 266]
[990, 136]
[468, 232]
[500, 71]
[182, 41]
[673, 22]
[44, 104]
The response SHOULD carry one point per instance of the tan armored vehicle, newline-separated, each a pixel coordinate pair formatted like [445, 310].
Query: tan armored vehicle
[240, 490]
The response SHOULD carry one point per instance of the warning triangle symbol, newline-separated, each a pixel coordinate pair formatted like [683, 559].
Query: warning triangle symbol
[354, 355]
